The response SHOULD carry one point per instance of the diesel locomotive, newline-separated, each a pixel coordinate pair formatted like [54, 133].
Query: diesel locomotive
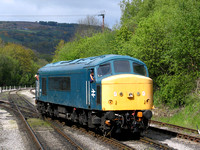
[110, 93]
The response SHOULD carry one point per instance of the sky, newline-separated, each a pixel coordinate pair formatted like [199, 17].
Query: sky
[62, 11]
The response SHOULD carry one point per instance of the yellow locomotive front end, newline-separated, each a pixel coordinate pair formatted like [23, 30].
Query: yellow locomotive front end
[127, 100]
[127, 92]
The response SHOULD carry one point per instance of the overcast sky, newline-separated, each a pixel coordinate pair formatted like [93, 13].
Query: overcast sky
[65, 11]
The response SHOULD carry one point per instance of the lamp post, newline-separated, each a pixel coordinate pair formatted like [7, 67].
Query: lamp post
[103, 16]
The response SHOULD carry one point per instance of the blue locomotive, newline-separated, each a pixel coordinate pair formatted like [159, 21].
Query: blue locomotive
[109, 92]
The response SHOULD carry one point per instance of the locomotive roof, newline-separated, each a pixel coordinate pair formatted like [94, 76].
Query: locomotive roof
[83, 63]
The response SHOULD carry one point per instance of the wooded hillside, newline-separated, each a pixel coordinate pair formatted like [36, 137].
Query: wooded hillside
[40, 36]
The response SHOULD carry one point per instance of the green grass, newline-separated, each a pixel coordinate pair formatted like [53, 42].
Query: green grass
[189, 116]
[36, 123]
[4, 96]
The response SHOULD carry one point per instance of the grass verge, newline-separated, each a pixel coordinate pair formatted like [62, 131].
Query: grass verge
[187, 116]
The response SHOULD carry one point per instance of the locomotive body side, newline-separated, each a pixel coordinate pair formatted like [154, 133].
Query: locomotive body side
[66, 86]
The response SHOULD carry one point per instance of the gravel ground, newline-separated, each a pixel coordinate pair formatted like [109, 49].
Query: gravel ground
[139, 145]
[10, 137]
[88, 141]
[176, 143]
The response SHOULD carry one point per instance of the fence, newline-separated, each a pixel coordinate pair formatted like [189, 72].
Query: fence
[11, 88]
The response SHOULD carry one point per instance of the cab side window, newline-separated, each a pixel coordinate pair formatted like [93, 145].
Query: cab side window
[139, 69]
[44, 89]
[104, 70]
[92, 76]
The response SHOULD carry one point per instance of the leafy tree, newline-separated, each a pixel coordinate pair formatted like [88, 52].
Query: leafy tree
[7, 70]
[99, 44]
[17, 65]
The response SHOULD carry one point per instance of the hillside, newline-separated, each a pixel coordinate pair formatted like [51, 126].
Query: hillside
[40, 36]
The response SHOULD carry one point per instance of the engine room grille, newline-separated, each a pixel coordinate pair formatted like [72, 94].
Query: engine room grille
[98, 94]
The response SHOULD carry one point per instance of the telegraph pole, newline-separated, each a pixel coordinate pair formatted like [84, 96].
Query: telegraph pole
[103, 16]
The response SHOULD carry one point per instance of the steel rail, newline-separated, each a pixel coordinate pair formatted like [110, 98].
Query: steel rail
[3, 103]
[176, 134]
[62, 133]
[27, 102]
[155, 143]
[111, 141]
[174, 126]
[54, 127]
[33, 135]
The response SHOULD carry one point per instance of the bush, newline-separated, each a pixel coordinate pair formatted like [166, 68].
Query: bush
[174, 89]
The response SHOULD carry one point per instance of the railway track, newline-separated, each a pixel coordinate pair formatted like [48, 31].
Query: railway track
[113, 142]
[35, 140]
[24, 109]
[15, 105]
[27, 108]
[174, 126]
[176, 134]
[16, 102]
[109, 141]
[155, 143]
[28, 104]
[61, 132]
[195, 137]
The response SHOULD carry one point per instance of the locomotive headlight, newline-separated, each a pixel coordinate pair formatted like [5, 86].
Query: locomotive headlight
[130, 94]
[121, 94]
[138, 93]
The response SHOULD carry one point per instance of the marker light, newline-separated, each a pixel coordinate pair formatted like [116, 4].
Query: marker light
[139, 114]
[107, 122]
[121, 94]
[110, 101]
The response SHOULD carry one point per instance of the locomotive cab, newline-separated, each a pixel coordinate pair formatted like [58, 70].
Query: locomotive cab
[125, 93]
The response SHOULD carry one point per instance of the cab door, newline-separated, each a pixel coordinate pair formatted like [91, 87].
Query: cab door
[37, 88]
[91, 90]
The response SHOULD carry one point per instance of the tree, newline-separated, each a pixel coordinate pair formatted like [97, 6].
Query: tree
[90, 20]
[17, 65]
[8, 70]
[88, 27]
